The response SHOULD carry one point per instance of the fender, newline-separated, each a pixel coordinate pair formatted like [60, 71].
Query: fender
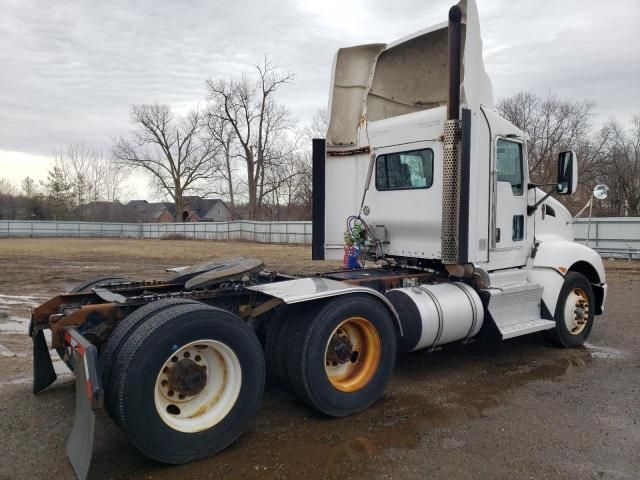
[306, 289]
[555, 257]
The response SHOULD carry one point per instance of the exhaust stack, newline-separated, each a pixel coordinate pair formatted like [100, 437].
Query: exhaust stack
[454, 215]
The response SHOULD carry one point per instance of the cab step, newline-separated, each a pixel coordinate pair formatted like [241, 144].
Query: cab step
[516, 309]
[524, 328]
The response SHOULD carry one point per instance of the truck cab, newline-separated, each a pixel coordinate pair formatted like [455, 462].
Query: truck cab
[416, 151]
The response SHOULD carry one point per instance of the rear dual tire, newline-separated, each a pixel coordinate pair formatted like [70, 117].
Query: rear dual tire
[179, 417]
[119, 336]
[336, 356]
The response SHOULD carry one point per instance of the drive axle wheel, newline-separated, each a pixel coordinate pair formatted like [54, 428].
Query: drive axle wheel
[121, 333]
[574, 312]
[198, 385]
[187, 382]
[352, 355]
[341, 354]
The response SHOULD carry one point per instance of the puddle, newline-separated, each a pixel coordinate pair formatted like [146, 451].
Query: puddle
[30, 300]
[609, 353]
[5, 352]
[14, 325]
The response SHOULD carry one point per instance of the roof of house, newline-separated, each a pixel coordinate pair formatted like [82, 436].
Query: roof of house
[202, 206]
[149, 212]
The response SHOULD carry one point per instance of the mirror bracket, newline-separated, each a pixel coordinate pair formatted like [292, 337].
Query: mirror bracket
[531, 209]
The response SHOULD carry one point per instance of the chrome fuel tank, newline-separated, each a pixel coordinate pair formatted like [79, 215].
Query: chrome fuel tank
[433, 315]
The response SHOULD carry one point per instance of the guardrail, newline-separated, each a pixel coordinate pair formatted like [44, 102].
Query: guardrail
[263, 232]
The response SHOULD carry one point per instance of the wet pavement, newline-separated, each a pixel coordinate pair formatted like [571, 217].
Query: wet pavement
[489, 409]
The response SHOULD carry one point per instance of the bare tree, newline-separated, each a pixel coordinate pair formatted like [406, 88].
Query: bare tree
[223, 134]
[6, 187]
[623, 166]
[29, 187]
[174, 151]
[552, 124]
[257, 121]
[318, 126]
[113, 180]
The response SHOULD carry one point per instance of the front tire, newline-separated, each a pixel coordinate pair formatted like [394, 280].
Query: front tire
[574, 313]
[187, 382]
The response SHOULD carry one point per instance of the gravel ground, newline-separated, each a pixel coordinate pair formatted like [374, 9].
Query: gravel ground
[518, 409]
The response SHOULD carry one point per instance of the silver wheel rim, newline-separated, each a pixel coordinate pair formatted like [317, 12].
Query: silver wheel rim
[576, 311]
[197, 386]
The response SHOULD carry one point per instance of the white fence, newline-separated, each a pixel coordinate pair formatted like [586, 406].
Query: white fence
[618, 236]
[606, 235]
[264, 232]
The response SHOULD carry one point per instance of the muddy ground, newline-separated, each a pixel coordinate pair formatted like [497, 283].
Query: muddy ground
[514, 410]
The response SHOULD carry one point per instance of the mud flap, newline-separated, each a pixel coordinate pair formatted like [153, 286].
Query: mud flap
[89, 397]
[43, 371]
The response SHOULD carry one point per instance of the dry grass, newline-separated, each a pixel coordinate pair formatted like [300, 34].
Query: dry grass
[60, 262]
[171, 251]
[57, 263]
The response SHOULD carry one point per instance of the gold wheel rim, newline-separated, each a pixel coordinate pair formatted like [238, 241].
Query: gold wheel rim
[352, 354]
[577, 311]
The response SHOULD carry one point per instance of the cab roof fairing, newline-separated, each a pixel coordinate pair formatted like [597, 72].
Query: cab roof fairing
[378, 81]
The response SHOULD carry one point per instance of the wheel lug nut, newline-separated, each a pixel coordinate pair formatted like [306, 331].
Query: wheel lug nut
[186, 354]
[170, 393]
[165, 383]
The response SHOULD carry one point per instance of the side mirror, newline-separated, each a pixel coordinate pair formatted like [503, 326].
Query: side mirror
[567, 173]
[601, 191]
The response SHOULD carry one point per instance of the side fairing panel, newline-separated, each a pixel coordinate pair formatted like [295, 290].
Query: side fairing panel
[345, 178]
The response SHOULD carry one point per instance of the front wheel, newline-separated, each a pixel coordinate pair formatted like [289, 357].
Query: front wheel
[574, 312]
[187, 382]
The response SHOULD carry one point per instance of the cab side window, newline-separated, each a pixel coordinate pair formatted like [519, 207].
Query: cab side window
[509, 165]
[406, 170]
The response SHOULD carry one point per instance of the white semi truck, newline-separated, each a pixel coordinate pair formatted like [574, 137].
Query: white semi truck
[432, 188]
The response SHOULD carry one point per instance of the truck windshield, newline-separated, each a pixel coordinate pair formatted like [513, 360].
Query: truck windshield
[405, 170]
[509, 164]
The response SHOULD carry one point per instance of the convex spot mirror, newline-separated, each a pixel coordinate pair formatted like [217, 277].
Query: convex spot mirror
[601, 191]
[567, 172]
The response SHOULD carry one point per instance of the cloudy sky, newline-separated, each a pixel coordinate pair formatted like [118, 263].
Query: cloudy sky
[71, 69]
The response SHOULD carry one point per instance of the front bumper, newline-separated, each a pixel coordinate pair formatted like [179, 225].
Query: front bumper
[602, 297]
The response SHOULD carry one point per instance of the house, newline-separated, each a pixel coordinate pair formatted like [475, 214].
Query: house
[195, 209]
[158, 212]
[205, 210]
[103, 211]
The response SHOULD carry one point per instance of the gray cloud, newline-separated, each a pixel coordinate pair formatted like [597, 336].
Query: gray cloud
[72, 69]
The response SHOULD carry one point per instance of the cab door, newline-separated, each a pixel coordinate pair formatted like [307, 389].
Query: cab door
[511, 228]
[405, 198]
